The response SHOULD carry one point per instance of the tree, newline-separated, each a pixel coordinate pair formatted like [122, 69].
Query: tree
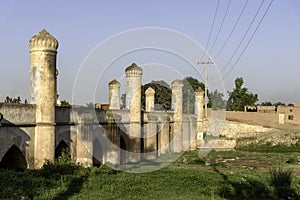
[279, 103]
[162, 97]
[190, 85]
[266, 103]
[240, 97]
[90, 105]
[216, 100]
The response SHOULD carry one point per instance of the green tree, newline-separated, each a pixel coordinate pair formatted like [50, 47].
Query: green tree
[162, 97]
[90, 105]
[266, 103]
[240, 96]
[279, 103]
[190, 85]
[216, 100]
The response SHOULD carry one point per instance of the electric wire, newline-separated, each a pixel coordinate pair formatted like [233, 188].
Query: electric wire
[260, 22]
[220, 28]
[234, 27]
[211, 28]
[244, 36]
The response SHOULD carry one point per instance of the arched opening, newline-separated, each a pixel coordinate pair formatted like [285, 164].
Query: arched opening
[123, 149]
[13, 159]
[61, 147]
[97, 153]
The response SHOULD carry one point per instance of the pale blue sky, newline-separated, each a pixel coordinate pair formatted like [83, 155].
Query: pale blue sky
[269, 66]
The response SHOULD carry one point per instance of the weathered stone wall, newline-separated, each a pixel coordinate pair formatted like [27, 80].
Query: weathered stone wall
[235, 134]
[256, 118]
[18, 128]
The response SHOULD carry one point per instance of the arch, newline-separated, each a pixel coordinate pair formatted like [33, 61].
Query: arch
[14, 159]
[97, 153]
[62, 146]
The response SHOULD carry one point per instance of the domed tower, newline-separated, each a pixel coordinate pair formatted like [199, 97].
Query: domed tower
[114, 94]
[133, 86]
[133, 102]
[43, 50]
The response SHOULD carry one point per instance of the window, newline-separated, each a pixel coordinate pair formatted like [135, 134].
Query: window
[291, 110]
[291, 117]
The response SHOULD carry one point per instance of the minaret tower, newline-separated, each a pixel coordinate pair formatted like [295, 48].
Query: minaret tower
[133, 102]
[43, 50]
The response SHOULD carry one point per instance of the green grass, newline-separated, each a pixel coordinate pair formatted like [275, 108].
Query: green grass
[191, 179]
[269, 147]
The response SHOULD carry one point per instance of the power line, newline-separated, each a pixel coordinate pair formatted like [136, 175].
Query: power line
[214, 43]
[212, 27]
[244, 36]
[234, 27]
[261, 20]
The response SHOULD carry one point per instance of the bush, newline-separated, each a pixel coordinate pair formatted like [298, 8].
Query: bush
[281, 180]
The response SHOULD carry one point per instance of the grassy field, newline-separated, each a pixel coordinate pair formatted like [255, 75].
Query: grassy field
[220, 175]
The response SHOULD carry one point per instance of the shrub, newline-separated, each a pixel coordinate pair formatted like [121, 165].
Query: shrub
[281, 180]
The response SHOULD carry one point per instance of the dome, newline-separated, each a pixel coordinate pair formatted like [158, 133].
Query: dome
[43, 41]
[114, 82]
[134, 69]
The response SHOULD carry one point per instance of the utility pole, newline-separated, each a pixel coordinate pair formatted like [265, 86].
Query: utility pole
[205, 82]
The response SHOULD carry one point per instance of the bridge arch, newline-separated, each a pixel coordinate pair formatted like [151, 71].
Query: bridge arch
[14, 159]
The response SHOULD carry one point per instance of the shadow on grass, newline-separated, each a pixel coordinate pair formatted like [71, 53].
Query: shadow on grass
[247, 188]
[73, 188]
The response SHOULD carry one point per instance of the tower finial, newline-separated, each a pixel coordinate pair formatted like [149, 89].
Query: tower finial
[43, 41]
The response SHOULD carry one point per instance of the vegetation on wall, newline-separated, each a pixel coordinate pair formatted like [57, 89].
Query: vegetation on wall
[16, 100]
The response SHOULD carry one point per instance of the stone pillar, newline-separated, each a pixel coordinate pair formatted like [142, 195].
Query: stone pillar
[133, 102]
[199, 112]
[151, 139]
[84, 146]
[43, 50]
[165, 137]
[149, 99]
[113, 132]
[177, 108]
[114, 95]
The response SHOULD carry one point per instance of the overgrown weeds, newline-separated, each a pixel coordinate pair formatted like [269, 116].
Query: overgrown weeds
[281, 180]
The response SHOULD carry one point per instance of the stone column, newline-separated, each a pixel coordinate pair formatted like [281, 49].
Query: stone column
[177, 108]
[151, 137]
[149, 99]
[43, 50]
[84, 146]
[113, 132]
[114, 95]
[199, 112]
[133, 102]
[165, 129]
